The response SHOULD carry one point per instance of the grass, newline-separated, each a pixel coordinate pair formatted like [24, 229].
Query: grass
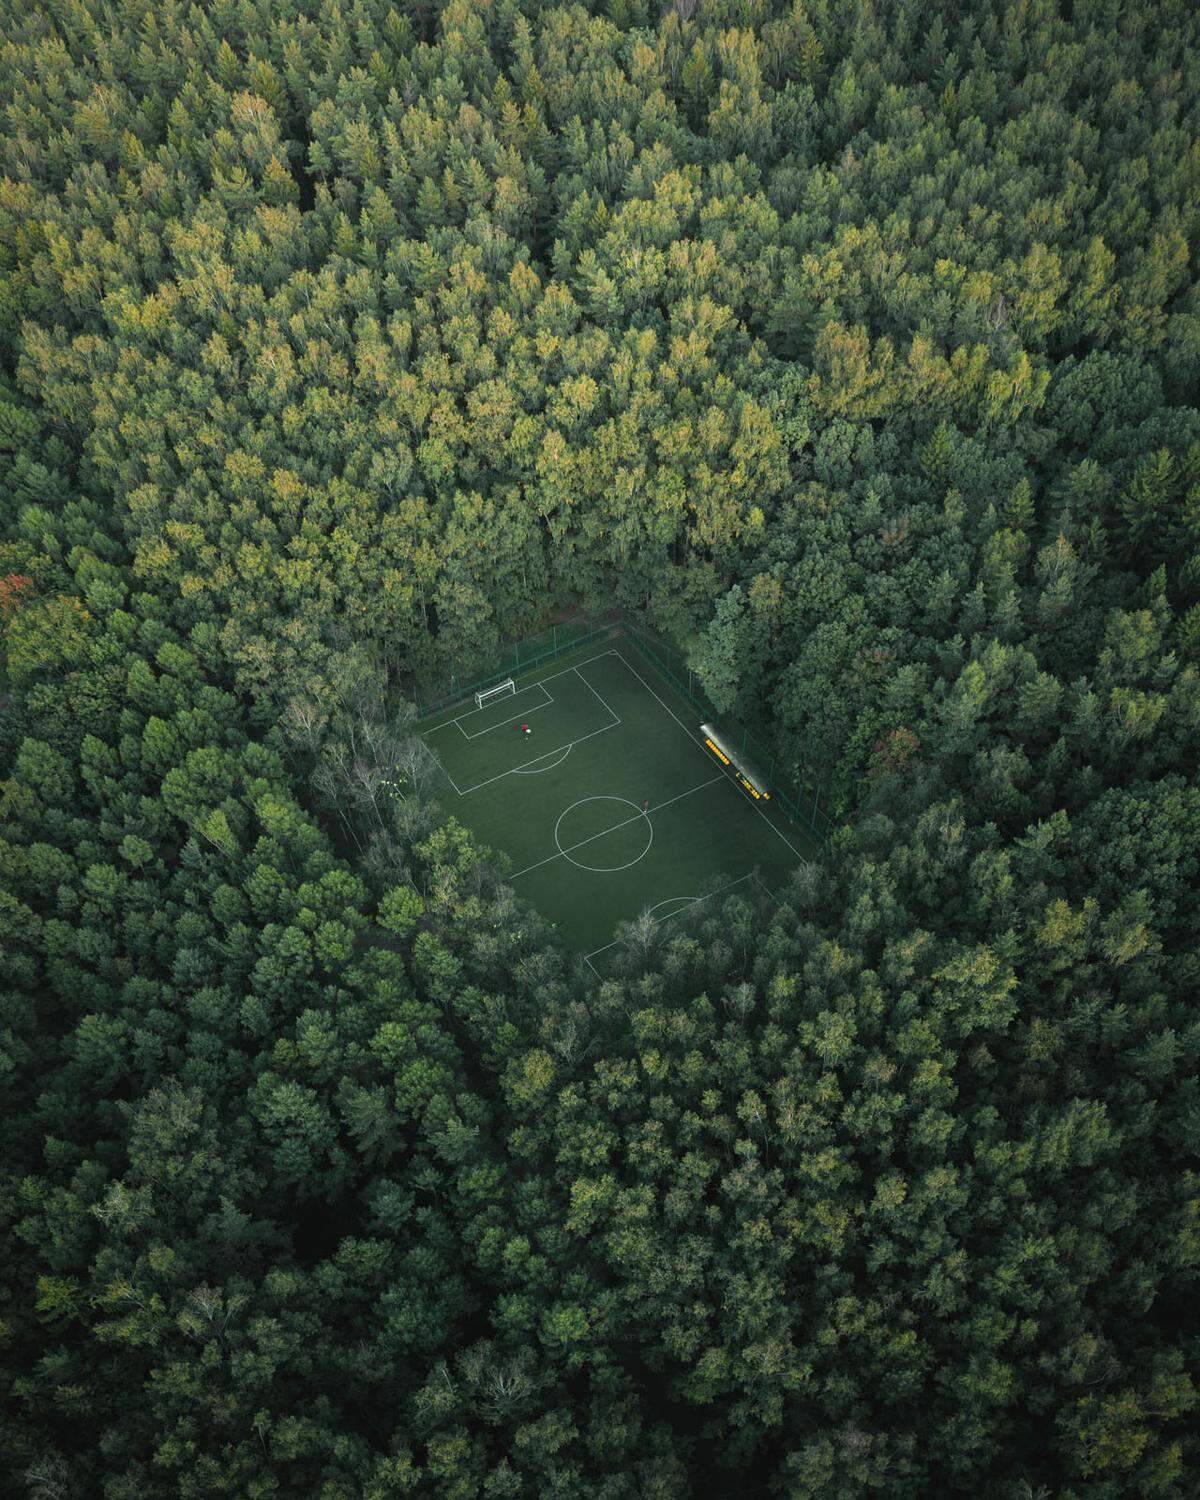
[565, 802]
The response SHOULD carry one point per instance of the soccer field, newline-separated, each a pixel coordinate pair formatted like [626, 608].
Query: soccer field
[566, 801]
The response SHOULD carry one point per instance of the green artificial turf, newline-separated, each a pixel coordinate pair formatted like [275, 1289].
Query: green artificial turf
[565, 801]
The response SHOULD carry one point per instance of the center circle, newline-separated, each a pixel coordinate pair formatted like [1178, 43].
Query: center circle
[629, 822]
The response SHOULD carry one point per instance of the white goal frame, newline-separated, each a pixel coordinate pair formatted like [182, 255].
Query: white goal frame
[502, 689]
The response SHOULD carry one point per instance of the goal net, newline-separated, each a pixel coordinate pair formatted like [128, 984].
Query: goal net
[501, 690]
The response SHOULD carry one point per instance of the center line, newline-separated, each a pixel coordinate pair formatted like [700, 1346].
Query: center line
[624, 823]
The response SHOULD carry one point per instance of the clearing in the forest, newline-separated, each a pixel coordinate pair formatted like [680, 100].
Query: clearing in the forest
[594, 779]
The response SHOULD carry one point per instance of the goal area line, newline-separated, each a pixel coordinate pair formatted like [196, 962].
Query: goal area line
[621, 656]
[502, 723]
[549, 677]
[615, 721]
[513, 718]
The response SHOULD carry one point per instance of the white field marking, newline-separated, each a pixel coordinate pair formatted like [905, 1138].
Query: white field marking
[802, 858]
[528, 689]
[763, 886]
[607, 706]
[528, 764]
[470, 714]
[700, 746]
[528, 768]
[513, 718]
[688, 900]
[550, 676]
[604, 831]
[451, 779]
[604, 869]
[465, 791]
[683, 900]
[515, 770]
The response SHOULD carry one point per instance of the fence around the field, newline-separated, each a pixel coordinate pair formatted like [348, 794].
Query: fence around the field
[523, 656]
[802, 806]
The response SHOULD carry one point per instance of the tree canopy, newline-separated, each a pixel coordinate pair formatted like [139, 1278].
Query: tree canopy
[857, 348]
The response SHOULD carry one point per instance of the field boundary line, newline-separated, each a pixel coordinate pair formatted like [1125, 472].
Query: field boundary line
[604, 832]
[700, 746]
[522, 769]
[803, 858]
[549, 677]
[450, 778]
[517, 770]
[512, 719]
[765, 888]
[671, 915]
[605, 704]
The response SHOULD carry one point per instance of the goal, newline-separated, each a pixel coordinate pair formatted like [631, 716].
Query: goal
[503, 689]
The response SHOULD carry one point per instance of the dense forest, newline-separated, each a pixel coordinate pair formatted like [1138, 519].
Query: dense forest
[856, 346]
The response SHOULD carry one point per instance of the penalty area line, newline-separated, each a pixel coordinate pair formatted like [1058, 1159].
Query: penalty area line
[524, 767]
[515, 770]
[549, 677]
[689, 901]
[608, 708]
[547, 700]
[528, 768]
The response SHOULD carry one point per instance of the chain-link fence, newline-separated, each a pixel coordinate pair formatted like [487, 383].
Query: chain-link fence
[801, 804]
[521, 656]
